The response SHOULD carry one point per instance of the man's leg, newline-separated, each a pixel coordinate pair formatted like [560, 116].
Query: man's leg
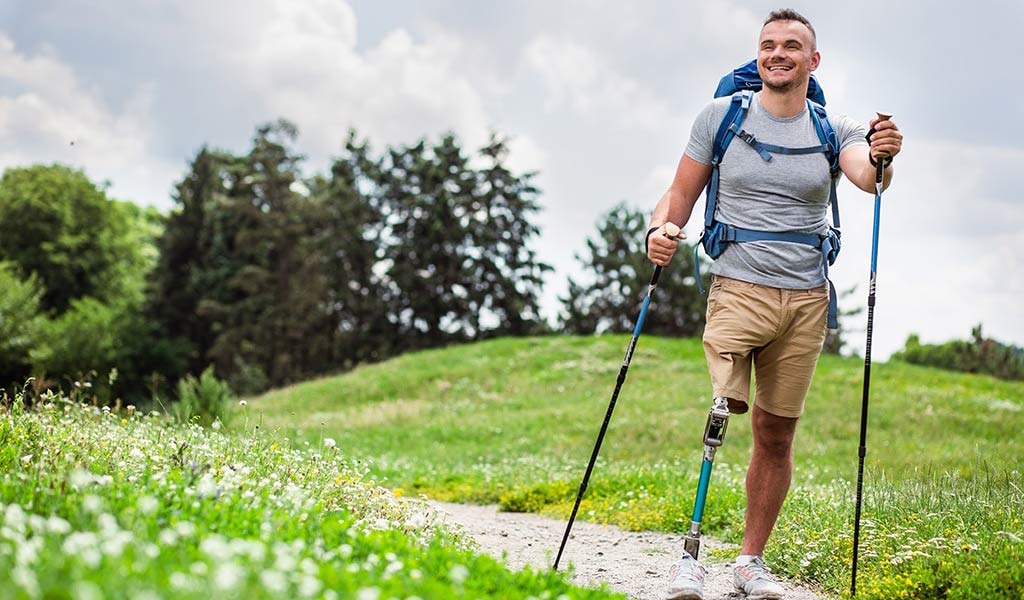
[768, 477]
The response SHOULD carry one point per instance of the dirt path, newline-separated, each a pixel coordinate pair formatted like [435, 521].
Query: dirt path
[634, 563]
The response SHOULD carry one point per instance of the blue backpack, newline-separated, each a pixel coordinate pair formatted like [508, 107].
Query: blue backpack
[741, 85]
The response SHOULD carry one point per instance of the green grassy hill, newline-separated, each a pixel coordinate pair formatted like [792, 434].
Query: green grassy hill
[514, 421]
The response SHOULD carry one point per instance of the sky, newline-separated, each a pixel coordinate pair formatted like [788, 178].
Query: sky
[597, 97]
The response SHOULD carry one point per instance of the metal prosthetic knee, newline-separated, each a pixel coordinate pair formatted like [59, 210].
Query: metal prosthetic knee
[714, 436]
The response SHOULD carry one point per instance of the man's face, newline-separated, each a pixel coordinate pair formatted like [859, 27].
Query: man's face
[786, 55]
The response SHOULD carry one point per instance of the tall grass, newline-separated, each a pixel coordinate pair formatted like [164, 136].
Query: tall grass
[100, 504]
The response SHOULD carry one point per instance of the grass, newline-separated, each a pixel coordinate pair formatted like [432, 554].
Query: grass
[514, 421]
[100, 504]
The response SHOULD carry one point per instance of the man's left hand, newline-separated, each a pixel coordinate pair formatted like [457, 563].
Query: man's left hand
[887, 140]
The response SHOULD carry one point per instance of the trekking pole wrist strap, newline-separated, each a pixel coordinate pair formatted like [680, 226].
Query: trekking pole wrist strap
[874, 163]
[647, 237]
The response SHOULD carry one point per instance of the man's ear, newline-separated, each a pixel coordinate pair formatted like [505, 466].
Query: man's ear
[815, 60]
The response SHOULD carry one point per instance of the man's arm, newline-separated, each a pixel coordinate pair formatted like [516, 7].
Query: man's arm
[886, 141]
[675, 205]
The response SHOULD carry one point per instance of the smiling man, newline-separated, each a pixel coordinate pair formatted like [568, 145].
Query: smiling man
[768, 303]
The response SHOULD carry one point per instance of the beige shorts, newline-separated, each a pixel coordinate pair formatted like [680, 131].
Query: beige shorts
[780, 331]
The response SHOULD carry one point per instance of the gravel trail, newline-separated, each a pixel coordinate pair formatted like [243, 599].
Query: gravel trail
[636, 563]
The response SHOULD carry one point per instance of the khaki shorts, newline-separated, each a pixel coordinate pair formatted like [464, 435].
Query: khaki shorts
[780, 331]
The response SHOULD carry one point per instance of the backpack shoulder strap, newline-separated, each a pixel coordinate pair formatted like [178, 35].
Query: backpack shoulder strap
[827, 136]
[735, 114]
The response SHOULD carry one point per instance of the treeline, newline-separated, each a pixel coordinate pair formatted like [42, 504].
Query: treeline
[980, 354]
[271, 276]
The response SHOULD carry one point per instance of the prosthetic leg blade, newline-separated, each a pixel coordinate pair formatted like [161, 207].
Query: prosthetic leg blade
[714, 436]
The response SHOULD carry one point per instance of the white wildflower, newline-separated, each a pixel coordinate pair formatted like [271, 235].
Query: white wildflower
[168, 537]
[185, 529]
[25, 578]
[180, 581]
[148, 505]
[368, 593]
[242, 403]
[458, 573]
[206, 486]
[87, 590]
[26, 459]
[80, 478]
[309, 586]
[92, 503]
[57, 525]
[330, 443]
[274, 581]
[227, 576]
[14, 517]
[216, 547]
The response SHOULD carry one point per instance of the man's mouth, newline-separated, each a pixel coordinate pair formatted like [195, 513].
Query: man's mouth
[779, 68]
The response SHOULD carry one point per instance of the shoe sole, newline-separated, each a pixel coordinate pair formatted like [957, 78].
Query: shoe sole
[685, 595]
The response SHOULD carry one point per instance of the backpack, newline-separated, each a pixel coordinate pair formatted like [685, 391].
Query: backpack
[716, 235]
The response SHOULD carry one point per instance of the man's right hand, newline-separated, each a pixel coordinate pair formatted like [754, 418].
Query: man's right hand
[661, 246]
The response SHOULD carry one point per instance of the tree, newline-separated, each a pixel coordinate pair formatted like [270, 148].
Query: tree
[455, 244]
[20, 323]
[60, 226]
[619, 272]
[345, 230]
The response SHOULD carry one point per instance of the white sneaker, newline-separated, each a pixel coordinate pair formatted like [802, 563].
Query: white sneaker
[687, 580]
[756, 581]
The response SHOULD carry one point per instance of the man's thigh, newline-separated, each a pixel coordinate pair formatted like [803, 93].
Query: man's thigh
[785, 366]
[741, 317]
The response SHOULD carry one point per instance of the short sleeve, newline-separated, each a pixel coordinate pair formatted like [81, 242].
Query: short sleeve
[850, 132]
[702, 135]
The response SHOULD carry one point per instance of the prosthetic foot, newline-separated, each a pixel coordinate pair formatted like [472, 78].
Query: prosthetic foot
[714, 435]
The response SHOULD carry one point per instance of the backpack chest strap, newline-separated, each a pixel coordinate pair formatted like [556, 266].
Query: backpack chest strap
[766, 150]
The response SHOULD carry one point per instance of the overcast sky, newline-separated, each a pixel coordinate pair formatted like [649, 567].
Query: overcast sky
[596, 96]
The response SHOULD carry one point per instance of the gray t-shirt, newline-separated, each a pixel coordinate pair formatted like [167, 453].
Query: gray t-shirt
[790, 193]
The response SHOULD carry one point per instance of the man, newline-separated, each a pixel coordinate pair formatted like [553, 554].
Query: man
[767, 305]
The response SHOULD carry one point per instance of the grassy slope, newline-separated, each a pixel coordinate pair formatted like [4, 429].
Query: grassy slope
[515, 419]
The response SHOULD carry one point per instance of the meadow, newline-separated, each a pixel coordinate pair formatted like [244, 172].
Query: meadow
[513, 421]
[100, 503]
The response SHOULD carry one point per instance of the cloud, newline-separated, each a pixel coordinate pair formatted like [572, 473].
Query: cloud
[53, 117]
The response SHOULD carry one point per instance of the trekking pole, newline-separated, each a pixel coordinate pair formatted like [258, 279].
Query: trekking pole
[671, 231]
[862, 450]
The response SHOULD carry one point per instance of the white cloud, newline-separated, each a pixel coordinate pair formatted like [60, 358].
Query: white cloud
[578, 80]
[53, 117]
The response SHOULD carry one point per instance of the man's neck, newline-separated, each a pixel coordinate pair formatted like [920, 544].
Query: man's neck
[784, 104]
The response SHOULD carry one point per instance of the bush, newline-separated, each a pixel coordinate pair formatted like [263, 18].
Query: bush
[20, 323]
[205, 399]
[980, 355]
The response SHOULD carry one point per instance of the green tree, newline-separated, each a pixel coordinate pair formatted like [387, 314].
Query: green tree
[21, 323]
[617, 274]
[56, 223]
[455, 244]
[345, 229]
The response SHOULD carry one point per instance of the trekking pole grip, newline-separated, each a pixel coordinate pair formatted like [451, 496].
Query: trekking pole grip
[884, 160]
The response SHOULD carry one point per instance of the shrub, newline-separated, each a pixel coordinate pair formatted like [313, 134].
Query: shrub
[204, 399]
[20, 322]
[980, 355]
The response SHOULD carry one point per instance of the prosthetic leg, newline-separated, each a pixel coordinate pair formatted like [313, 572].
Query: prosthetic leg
[714, 435]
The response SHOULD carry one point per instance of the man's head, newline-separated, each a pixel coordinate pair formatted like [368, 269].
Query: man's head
[787, 51]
